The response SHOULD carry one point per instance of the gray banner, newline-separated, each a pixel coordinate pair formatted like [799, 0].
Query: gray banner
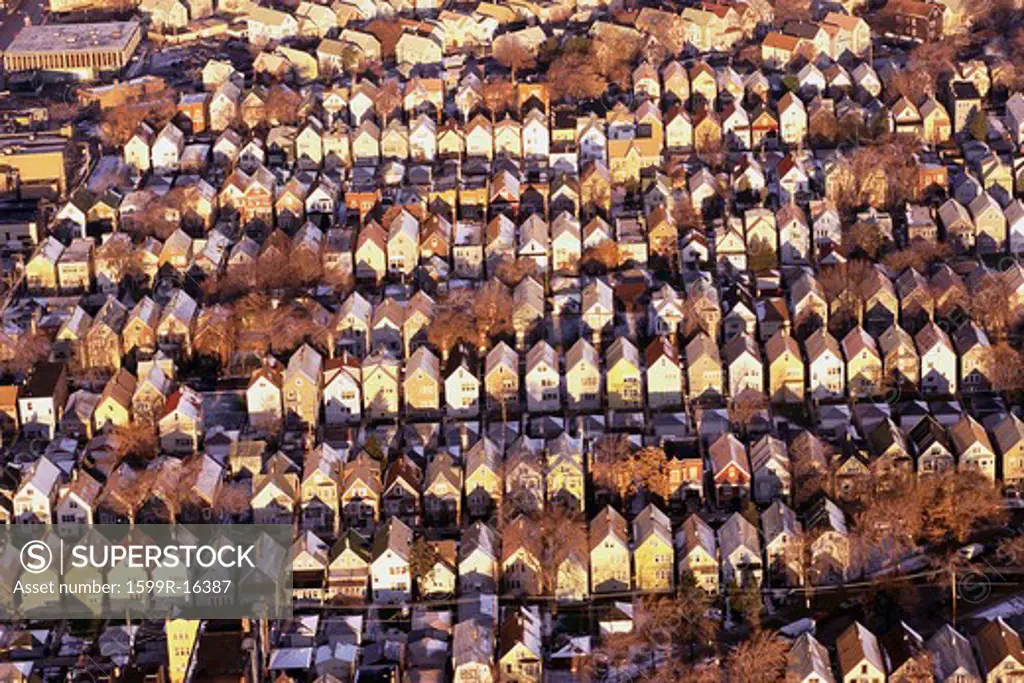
[153, 571]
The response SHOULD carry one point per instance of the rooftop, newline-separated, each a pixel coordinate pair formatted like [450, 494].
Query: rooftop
[74, 37]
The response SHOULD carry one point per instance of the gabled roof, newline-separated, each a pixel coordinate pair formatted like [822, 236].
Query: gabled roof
[855, 645]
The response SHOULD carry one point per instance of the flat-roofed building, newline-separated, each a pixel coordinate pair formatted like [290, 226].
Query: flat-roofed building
[84, 51]
[33, 164]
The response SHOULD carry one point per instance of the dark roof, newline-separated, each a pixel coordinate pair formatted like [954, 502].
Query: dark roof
[43, 381]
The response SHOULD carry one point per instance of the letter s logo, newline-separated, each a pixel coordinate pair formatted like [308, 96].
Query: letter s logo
[36, 557]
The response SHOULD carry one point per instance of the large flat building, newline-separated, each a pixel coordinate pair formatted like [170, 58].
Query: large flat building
[33, 165]
[84, 51]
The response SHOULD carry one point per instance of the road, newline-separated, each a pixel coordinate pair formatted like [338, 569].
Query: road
[34, 10]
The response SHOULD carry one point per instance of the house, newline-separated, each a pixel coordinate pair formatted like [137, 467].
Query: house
[180, 425]
[524, 474]
[360, 492]
[999, 651]
[900, 362]
[740, 550]
[785, 368]
[520, 653]
[952, 658]
[729, 469]
[989, 224]
[609, 553]
[473, 645]
[973, 448]
[478, 559]
[482, 482]
[265, 25]
[972, 348]
[401, 496]
[653, 551]
[77, 500]
[501, 379]
[33, 502]
[703, 367]
[342, 390]
[42, 399]
[938, 374]
[380, 375]
[389, 564]
[318, 492]
[302, 389]
[770, 464]
[1008, 433]
[696, 553]
[521, 559]
[461, 388]
[783, 543]
[564, 478]
[348, 569]
[859, 656]
[664, 374]
[863, 363]
[543, 380]
[442, 491]
[743, 362]
[583, 376]
[624, 375]
[421, 386]
[115, 403]
[917, 20]
[263, 397]
[906, 654]
[808, 661]
[275, 495]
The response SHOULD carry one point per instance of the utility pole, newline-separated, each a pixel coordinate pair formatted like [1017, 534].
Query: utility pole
[952, 588]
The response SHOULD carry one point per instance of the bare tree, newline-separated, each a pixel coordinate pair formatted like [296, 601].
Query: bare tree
[890, 523]
[614, 54]
[135, 440]
[760, 659]
[746, 407]
[513, 272]
[493, 310]
[560, 529]
[918, 255]
[848, 286]
[603, 258]
[1004, 367]
[32, 347]
[624, 471]
[119, 124]
[958, 503]
[575, 76]
[791, 10]
[512, 53]
[990, 305]
[283, 105]
[864, 237]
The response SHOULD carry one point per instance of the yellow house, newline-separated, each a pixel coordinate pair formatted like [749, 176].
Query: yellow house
[625, 378]
[565, 479]
[653, 554]
[703, 367]
[863, 364]
[698, 553]
[380, 384]
[115, 404]
[609, 552]
[785, 368]
[41, 269]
